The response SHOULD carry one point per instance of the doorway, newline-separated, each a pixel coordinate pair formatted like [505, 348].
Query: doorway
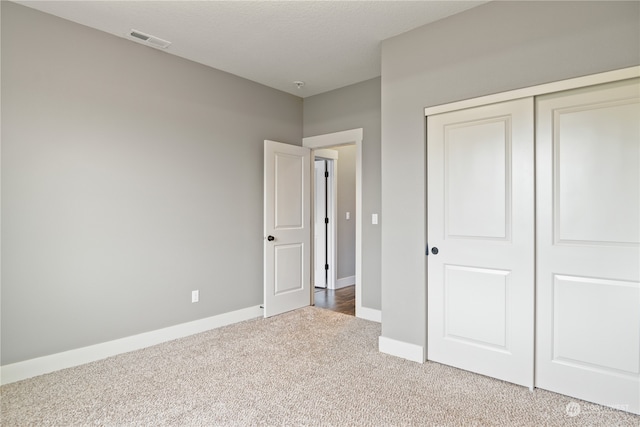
[349, 137]
[334, 228]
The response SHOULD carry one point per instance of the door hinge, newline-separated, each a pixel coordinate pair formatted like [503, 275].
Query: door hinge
[326, 266]
[326, 174]
[326, 220]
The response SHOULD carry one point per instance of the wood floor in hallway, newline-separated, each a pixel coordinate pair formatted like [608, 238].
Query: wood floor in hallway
[342, 300]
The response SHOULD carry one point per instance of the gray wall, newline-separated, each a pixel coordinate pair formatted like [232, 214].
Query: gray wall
[351, 107]
[129, 178]
[492, 48]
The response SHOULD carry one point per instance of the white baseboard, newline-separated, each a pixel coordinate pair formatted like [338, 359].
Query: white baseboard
[369, 314]
[402, 349]
[345, 281]
[42, 365]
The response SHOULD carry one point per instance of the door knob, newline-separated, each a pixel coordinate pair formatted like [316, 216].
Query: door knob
[434, 250]
[271, 238]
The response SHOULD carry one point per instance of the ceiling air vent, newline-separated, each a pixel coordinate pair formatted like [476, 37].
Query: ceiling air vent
[149, 39]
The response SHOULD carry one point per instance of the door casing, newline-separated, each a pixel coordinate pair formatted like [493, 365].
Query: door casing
[349, 137]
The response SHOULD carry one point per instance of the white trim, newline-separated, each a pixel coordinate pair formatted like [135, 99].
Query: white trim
[347, 137]
[402, 349]
[594, 79]
[332, 241]
[359, 218]
[54, 362]
[369, 314]
[343, 282]
[327, 153]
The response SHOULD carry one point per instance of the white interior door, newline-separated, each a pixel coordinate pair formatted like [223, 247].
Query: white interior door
[287, 227]
[320, 226]
[588, 257]
[480, 220]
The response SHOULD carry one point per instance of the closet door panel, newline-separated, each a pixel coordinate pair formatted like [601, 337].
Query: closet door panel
[480, 219]
[588, 251]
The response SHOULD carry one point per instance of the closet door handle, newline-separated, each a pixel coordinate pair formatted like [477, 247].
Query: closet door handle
[271, 238]
[434, 250]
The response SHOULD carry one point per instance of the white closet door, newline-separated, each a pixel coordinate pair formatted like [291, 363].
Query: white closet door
[480, 219]
[588, 235]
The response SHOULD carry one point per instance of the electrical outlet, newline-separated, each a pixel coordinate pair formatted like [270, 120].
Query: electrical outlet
[195, 296]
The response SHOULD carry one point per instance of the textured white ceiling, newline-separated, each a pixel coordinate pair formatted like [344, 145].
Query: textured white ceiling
[326, 44]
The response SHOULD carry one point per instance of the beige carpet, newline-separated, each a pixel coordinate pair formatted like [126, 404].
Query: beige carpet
[308, 367]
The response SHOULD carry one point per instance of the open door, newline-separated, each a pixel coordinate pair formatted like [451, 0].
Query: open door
[321, 220]
[287, 227]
